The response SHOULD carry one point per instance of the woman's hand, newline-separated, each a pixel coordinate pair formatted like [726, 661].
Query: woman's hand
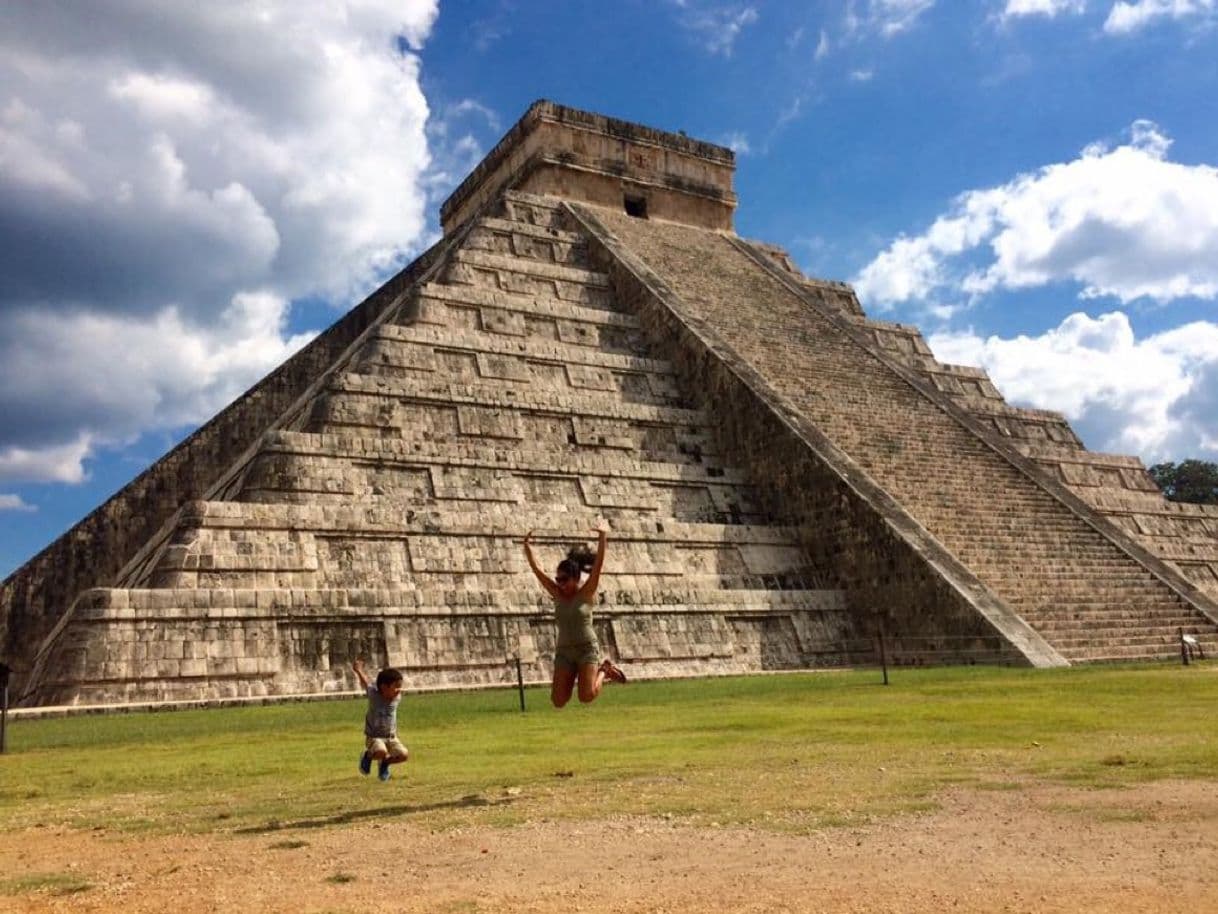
[528, 538]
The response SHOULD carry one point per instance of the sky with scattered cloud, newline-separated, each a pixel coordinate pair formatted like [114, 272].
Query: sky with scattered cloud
[188, 193]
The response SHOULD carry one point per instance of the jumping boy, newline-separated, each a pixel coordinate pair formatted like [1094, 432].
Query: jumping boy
[381, 721]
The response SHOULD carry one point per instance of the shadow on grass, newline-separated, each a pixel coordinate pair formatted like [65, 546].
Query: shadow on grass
[345, 818]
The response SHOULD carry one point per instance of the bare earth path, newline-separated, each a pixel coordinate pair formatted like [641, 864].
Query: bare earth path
[1152, 848]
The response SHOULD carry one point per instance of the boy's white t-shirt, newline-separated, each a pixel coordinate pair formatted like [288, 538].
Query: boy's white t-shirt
[381, 721]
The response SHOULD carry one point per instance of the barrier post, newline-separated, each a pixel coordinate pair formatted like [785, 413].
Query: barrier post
[4, 671]
[520, 682]
[883, 651]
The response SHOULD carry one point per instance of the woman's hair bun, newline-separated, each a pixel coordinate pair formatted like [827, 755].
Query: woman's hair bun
[582, 556]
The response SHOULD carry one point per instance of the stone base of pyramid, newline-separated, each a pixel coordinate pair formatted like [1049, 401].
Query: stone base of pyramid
[191, 644]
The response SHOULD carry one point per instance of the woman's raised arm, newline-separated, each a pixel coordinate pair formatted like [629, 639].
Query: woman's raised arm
[588, 590]
[544, 579]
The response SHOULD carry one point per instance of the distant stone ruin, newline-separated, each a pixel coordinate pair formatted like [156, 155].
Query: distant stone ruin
[589, 340]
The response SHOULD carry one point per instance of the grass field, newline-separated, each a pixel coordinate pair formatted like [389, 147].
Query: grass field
[791, 752]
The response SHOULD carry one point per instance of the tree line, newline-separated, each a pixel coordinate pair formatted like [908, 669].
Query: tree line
[1189, 480]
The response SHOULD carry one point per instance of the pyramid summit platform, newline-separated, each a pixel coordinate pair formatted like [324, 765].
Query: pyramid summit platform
[590, 341]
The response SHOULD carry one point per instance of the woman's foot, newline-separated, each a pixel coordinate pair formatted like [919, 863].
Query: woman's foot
[612, 672]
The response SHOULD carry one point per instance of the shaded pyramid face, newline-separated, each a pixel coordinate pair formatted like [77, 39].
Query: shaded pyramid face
[507, 392]
[782, 477]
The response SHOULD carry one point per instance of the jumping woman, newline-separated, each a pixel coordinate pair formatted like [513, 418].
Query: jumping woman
[577, 653]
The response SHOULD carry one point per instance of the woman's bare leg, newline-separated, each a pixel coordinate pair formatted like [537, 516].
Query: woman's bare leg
[591, 678]
[562, 685]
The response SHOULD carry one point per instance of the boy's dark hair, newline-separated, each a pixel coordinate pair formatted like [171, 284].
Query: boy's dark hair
[388, 676]
[579, 560]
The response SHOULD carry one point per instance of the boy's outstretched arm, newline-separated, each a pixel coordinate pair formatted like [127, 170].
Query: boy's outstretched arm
[358, 668]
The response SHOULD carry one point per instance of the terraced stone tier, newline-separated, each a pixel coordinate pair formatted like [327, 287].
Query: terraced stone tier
[170, 644]
[299, 468]
[466, 307]
[530, 278]
[473, 546]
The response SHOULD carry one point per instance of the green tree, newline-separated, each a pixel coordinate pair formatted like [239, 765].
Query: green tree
[1188, 480]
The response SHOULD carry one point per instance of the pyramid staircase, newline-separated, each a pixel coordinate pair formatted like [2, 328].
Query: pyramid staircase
[941, 443]
[508, 392]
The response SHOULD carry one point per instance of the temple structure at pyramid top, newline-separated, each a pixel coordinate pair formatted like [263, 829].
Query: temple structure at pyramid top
[575, 155]
[590, 344]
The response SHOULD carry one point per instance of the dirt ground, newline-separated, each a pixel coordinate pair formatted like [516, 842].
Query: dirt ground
[1153, 848]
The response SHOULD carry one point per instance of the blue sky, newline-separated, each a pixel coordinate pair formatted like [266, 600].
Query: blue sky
[187, 196]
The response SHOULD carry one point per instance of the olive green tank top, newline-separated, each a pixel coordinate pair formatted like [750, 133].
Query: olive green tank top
[574, 619]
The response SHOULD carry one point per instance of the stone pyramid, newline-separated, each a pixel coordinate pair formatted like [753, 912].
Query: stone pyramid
[589, 341]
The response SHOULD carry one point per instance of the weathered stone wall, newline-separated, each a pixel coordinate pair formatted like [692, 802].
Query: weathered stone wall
[97, 548]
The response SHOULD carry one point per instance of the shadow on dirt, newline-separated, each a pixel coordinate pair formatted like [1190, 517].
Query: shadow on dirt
[375, 813]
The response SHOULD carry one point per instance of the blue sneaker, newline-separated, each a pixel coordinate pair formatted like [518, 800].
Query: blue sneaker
[365, 763]
[382, 770]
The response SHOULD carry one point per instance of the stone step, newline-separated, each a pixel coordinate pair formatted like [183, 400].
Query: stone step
[440, 362]
[1083, 602]
[533, 209]
[1033, 589]
[528, 229]
[526, 348]
[677, 503]
[487, 399]
[1115, 573]
[529, 242]
[1096, 549]
[669, 597]
[523, 265]
[652, 437]
[474, 297]
[527, 456]
[1053, 628]
[416, 487]
[1028, 570]
[468, 541]
[1048, 566]
[505, 521]
[520, 276]
[1101, 653]
[1097, 595]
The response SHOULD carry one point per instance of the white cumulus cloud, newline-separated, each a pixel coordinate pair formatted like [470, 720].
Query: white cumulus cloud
[1126, 17]
[1050, 8]
[15, 503]
[116, 375]
[1124, 222]
[171, 177]
[1154, 397]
